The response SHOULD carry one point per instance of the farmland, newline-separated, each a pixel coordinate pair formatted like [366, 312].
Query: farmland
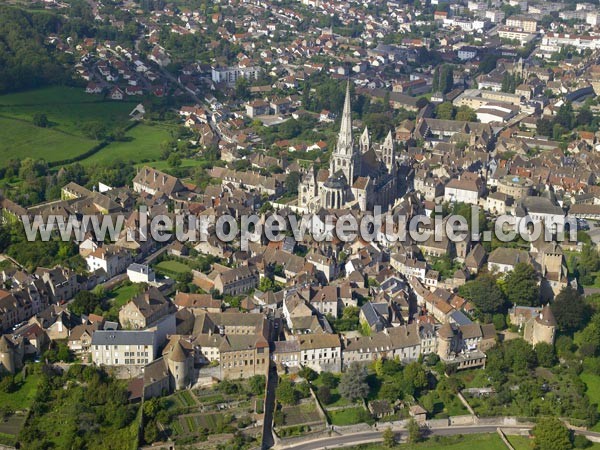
[141, 144]
[67, 108]
[70, 112]
[20, 138]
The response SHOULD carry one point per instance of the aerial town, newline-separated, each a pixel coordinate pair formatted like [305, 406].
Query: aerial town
[122, 122]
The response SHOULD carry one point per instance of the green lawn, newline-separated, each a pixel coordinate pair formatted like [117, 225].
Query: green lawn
[19, 139]
[124, 293]
[464, 442]
[592, 383]
[22, 398]
[119, 297]
[143, 145]
[336, 398]
[519, 442]
[172, 268]
[346, 416]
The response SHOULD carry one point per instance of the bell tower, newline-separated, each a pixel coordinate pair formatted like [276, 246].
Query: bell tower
[344, 157]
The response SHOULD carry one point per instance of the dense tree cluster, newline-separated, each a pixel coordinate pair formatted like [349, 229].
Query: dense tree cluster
[25, 61]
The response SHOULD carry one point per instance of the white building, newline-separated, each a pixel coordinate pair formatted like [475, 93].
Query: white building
[140, 273]
[119, 347]
[230, 75]
[463, 191]
[112, 261]
[321, 352]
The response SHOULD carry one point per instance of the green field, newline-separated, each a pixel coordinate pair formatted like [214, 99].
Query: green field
[68, 110]
[20, 139]
[143, 144]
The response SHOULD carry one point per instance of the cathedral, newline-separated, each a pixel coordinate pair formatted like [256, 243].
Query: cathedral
[361, 175]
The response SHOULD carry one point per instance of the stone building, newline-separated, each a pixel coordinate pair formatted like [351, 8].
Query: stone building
[359, 173]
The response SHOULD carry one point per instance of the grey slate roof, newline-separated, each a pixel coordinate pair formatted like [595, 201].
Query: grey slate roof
[123, 337]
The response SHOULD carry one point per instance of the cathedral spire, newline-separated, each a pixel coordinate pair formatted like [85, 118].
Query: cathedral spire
[345, 137]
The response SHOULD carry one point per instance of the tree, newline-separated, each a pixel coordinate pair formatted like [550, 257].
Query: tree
[242, 89]
[328, 379]
[415, 377]
[445, 111]
[353, 385]
[389, 438]
[465, 113]
[521, 285]
[256, 384]
[485, 293]
[557, 131]
[565, 116]
[286, 394]
[324, 394]
[544, 127]
[85, 302]
[569, 309]
[499, 322]
[545, 354]
[519, 356]
[551, 434]
[391, 391]
[7, 384]
[446, 79]
[585, 117]
[266, 284]
[174, 160]
[291, 183]
[40, 120]
[308, 374]
[150, 432]
[94, 130]
[414, 431]
[436, 80]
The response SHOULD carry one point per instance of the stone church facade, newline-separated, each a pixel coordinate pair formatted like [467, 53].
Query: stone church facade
[361, 175]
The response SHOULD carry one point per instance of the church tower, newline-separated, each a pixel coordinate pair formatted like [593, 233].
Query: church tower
[344, 157]
[388, 153]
